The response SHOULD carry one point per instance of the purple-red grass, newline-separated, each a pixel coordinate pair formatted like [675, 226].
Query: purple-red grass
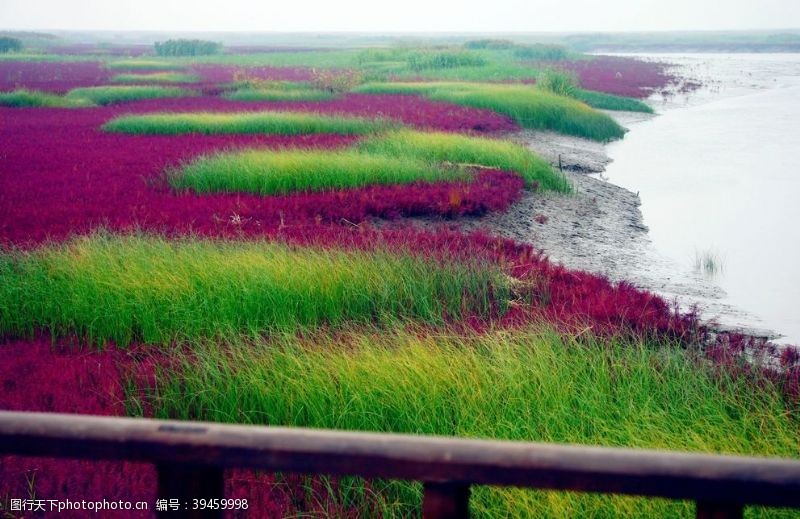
[55, 77]
[40, 376]
[413, 110]
[622, 76]
[89, 178]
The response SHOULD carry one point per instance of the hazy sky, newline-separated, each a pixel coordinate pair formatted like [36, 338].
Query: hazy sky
[402, 15]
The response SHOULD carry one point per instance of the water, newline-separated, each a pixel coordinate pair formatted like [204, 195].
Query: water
[717, 172]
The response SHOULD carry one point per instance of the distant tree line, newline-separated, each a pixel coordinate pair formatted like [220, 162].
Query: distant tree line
[489, 44]
[187, 47]
[8, 44]
[535, 51]
[427, 60]
[541, 51]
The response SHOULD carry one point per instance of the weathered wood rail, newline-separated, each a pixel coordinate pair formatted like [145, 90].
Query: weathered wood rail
[190, 458]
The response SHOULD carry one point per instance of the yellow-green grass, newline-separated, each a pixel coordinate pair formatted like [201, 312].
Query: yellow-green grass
[529, 384]
[143, 64]
[270, 172]
[279, 94]
[268, 122]
[529, 106]
[105, 95]
[396, 157]
[26, 98]
[150, 289]
[90, 96]
[157, 77]
[462, 149]
[605, 101]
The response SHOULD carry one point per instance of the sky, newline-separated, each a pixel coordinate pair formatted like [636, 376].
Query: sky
[400, 16]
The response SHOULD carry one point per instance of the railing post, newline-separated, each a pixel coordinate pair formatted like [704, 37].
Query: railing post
[445, 501]
[185, 483]
[714, 510]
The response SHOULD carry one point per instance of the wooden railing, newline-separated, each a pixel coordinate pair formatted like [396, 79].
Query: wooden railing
[190, 458]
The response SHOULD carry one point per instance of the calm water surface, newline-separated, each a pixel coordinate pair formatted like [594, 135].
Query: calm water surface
[718, 177]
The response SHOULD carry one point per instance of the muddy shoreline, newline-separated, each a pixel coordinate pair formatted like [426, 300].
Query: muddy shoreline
[600, 229]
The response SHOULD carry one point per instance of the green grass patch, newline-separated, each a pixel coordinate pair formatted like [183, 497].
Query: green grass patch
[275, 94]
[154, 290]
[397, 157]
[566, 83]
[528, 385]
[106, 95]
[465, 150]
[90, 96]
[268, 172]
[274, 123]
[142, 64]
[27, 98]
[604, 101]
[38, 57]
[157, 77]
[529, 106]
[443, 59]
[278, 91]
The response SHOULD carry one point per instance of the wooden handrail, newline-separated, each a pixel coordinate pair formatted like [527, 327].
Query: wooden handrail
[446, 466]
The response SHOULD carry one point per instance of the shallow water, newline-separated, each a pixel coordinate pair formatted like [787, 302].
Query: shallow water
[718, 178]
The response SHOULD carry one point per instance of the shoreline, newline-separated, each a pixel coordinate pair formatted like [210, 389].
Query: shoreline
[600, 229]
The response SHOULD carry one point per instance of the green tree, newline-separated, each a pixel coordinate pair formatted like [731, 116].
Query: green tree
[183, 47]
[8, 44]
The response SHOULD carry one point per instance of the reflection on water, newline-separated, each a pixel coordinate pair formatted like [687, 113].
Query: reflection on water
[719, 181]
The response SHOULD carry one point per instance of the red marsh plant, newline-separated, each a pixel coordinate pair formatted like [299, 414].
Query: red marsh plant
[40, 376]
[43, 376]
[113, 175]
[622, 76]
[52, 77]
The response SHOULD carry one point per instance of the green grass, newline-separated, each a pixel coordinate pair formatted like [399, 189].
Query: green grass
[397, 157]
[529, 106]
[37, 57]
[461, 149]
[154, 290]
[106, 95]
[399, 62]
[443, 59]
[278, 91]
[26, 98]
[158, 77]
[90, 96]
[276, 94]
[143, 64]
[275, 123]
[528, 385]
[611, 102]
[566, 83]
[321, 59]
[268, 172]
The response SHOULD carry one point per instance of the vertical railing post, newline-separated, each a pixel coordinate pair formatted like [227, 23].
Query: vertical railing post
[445, 501]
[715, 510]
[182, 484]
